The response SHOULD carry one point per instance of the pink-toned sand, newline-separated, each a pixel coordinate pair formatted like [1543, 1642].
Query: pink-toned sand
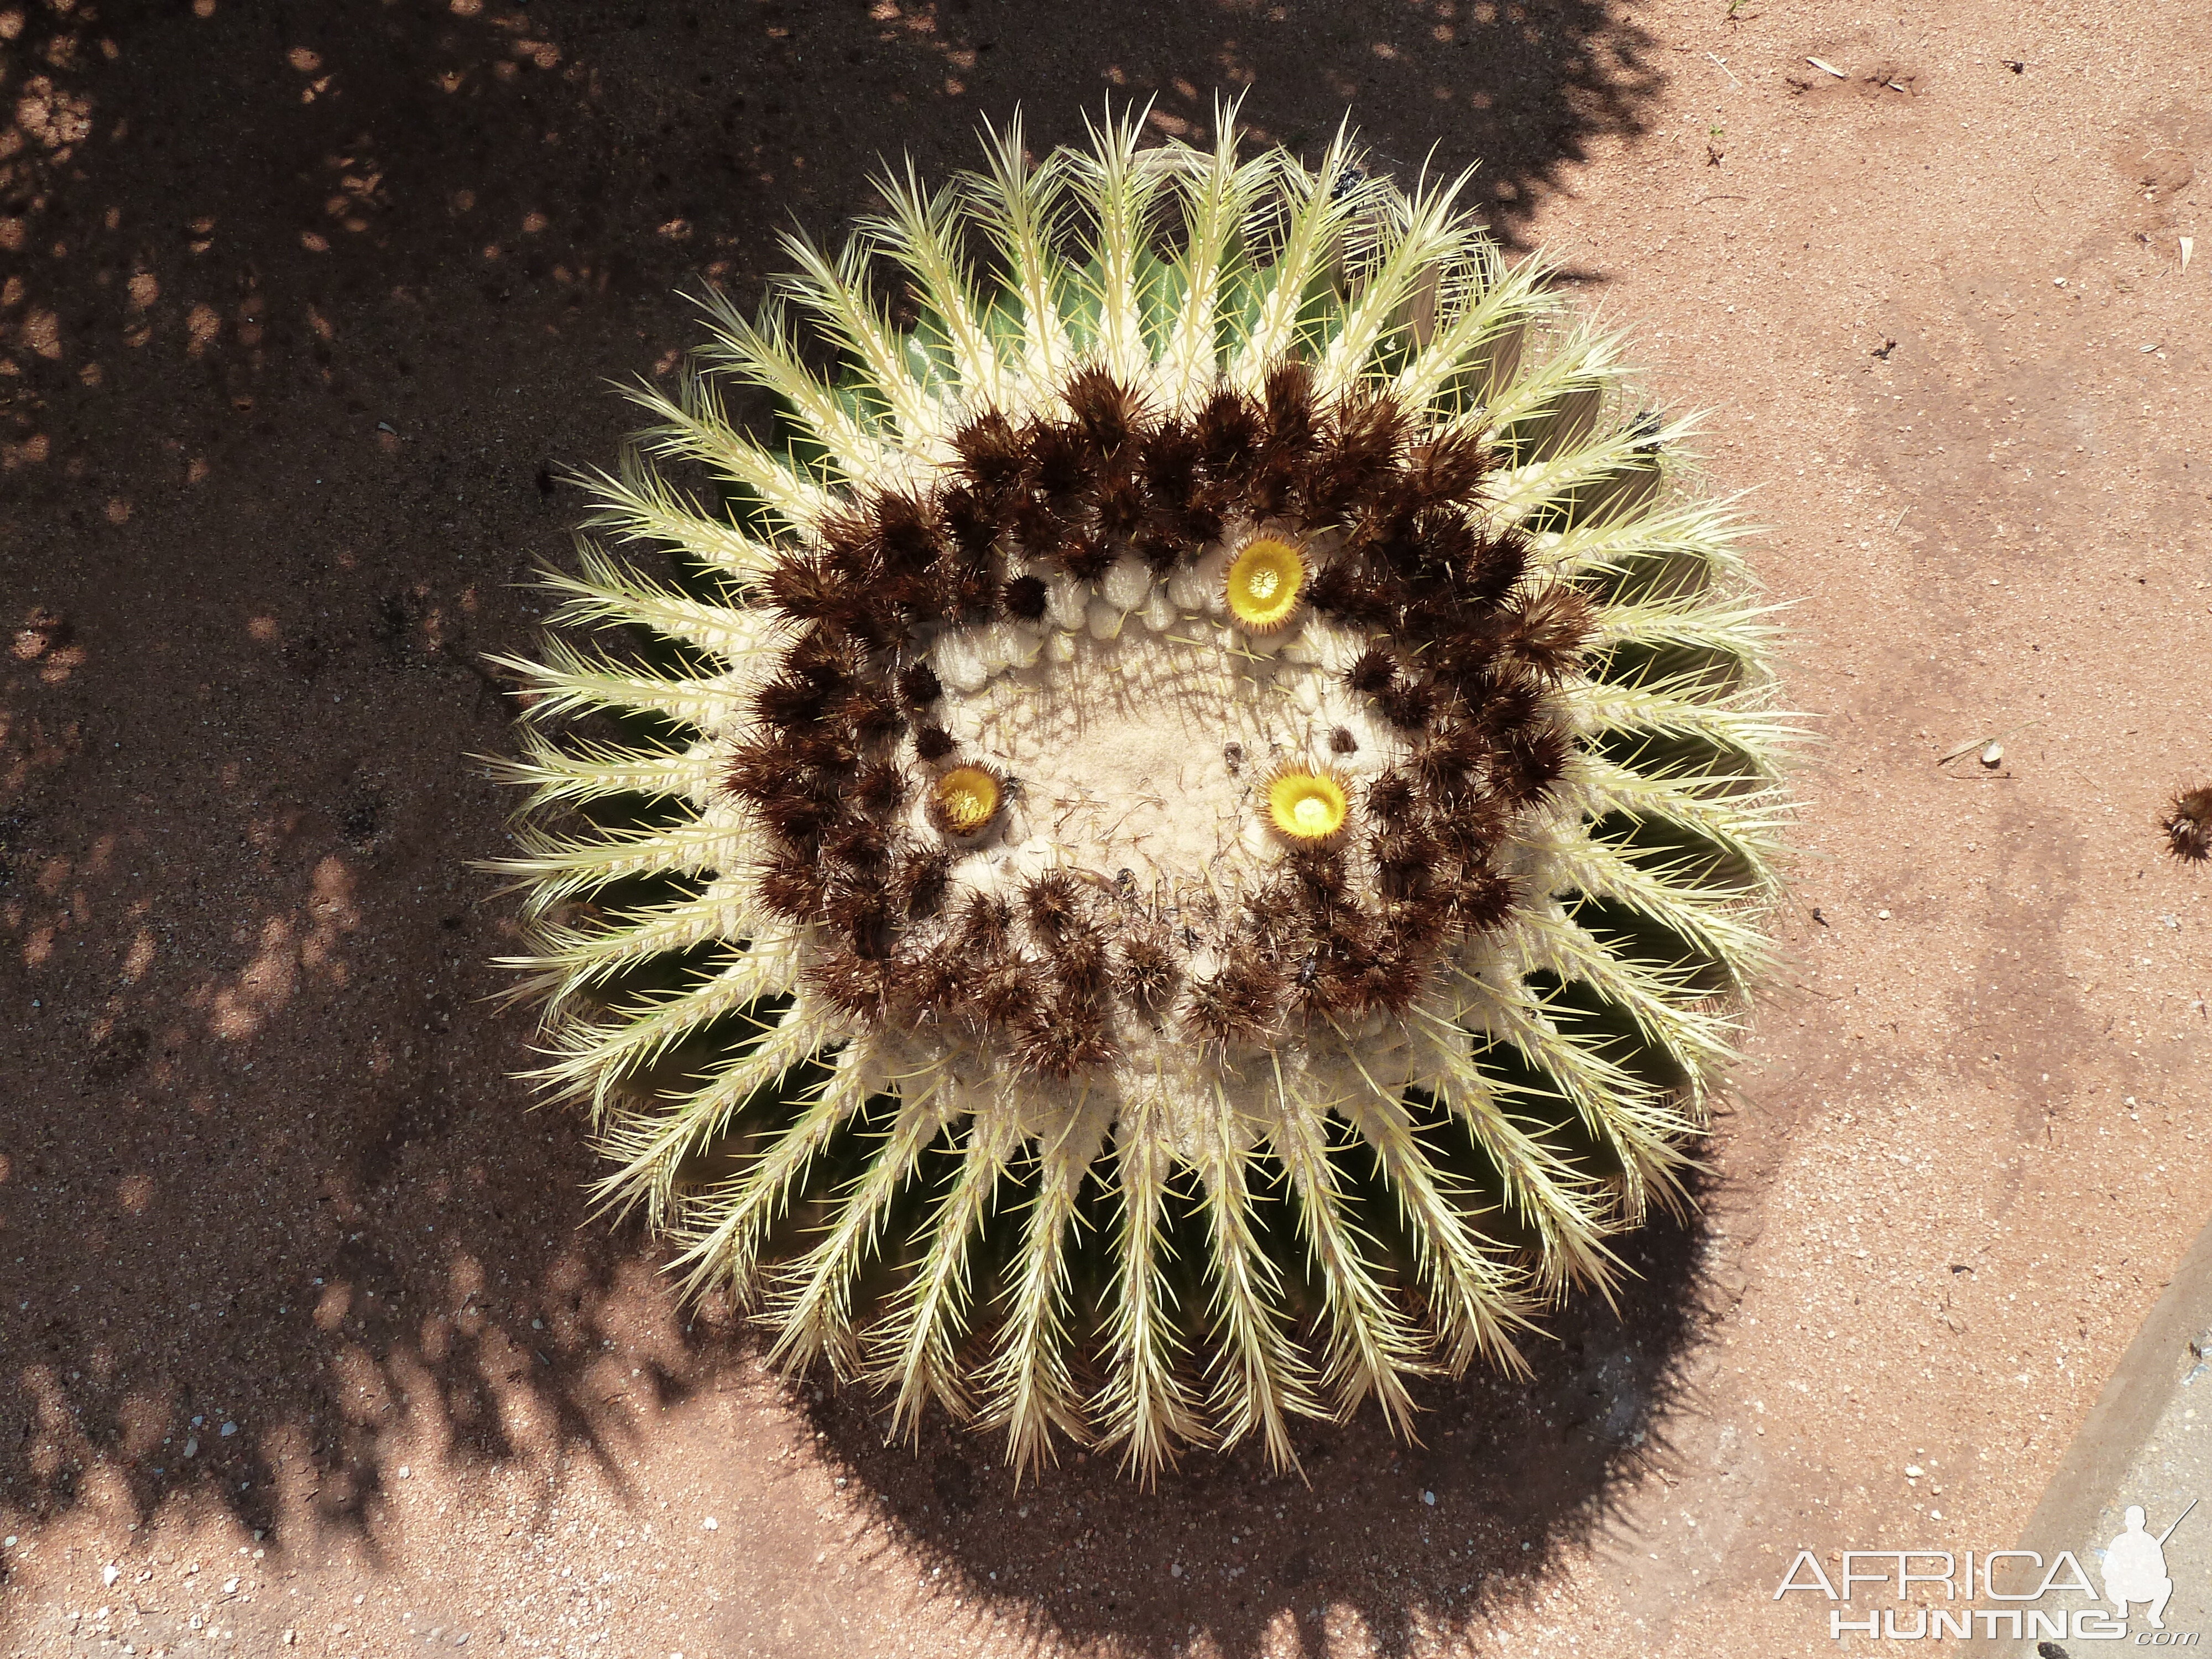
[304, 309]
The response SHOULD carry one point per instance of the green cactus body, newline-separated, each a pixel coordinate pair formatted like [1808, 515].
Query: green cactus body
[1204, 812]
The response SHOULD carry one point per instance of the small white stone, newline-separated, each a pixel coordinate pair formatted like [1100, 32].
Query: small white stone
[1430, 1499]
[1103, 621]
[1913, 1471]
[230, 1587]
[1126, 584]
[110, 1573]
[710, 1523]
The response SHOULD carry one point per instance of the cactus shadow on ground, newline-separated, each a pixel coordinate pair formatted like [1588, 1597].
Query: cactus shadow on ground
[1518, 1470]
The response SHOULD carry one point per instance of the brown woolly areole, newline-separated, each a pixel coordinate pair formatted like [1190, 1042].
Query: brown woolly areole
[1135, 727]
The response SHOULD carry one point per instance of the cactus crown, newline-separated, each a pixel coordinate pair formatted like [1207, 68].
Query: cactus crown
[1195, 842]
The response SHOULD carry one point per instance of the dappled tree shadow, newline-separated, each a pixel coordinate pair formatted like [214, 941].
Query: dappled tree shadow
[302, 311]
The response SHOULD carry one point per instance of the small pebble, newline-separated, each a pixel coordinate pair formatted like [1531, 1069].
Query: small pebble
[710, 1523]
[110, 1573]
[192, 1447]
[1430, 1499]
[228, 1429]
[1913, 1471]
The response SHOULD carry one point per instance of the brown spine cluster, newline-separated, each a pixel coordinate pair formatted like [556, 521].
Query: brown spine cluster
[1473, 649]
[2188, 825]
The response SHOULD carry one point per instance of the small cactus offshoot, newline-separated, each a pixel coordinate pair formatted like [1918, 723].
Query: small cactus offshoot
[1193, 844]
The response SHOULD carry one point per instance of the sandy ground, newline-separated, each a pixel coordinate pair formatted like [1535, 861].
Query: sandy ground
[305, 1345]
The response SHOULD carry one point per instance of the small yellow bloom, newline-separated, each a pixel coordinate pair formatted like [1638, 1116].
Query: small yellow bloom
[1307, 805]
[1264, 584]
[965, 800]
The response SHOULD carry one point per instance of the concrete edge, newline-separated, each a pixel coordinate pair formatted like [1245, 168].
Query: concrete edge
[2120, 1424]
[2134, 1399]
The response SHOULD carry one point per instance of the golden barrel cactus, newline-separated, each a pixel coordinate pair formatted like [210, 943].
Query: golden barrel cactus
[1196, 820]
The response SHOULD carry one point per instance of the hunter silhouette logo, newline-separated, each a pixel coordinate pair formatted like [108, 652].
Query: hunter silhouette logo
[2133, 1568]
